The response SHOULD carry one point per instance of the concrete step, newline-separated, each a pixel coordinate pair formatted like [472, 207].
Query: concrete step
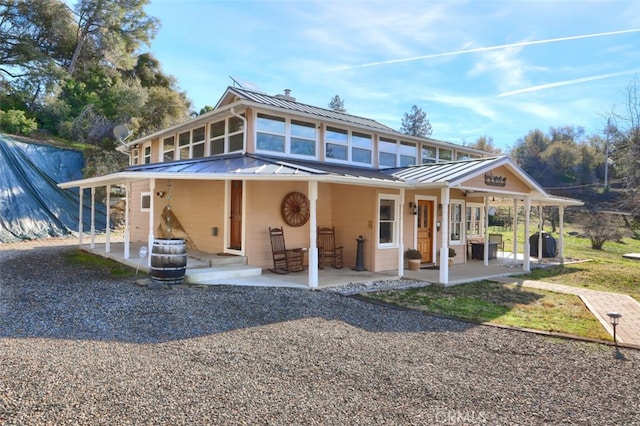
[212, 259]
[210, 275]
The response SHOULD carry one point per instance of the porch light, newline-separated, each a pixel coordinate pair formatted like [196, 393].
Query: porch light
[614, 317]
[413, 208]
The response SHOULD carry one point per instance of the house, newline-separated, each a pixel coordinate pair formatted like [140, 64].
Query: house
[223, 178]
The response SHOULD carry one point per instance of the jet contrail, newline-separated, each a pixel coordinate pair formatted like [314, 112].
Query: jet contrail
[567, 82]
[484, 49]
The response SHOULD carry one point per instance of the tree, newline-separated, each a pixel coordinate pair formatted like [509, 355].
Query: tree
[337, 104]
[485, 143]
[527, 153]
[115, 28]
[416, 123]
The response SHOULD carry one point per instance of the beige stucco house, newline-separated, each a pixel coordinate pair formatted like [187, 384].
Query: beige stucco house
[225, 175]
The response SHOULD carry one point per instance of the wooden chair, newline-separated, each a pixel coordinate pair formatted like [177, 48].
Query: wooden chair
[327, 250]
[284, 260]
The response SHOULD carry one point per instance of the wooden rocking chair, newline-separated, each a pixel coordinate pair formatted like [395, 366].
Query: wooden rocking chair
[327, 250]
[284, 260]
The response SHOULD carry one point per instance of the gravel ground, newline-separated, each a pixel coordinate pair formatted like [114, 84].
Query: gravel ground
[78, 347]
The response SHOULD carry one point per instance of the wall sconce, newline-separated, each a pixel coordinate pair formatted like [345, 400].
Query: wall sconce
[413, 208]
[160, 194]
[437, 225]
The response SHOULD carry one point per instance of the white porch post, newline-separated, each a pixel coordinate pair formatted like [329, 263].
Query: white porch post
[401, 236]
[313, 245]
[107, 245]
[539, 231]
[152, 190]
[514, 225]
[444, 246]
[485, 257]
[127, 233]
[81, 201]
[561, 236]
[93, 217]
[526, 265]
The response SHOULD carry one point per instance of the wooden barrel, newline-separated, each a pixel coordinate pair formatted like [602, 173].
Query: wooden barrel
[168, 260]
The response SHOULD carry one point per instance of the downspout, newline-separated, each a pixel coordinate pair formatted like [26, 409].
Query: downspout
[244, 134]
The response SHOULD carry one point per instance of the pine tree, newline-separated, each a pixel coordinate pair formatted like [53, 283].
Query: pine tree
[416, 123]
[337, 104]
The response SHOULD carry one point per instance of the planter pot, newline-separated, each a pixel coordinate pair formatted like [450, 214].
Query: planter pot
[414, 264]
[451, 261]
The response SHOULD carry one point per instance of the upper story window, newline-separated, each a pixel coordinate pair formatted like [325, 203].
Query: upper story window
[407, 151]
[342, 145]
[387, 149]
[337, 141]
[135, 156]
[282, 135]
[271, 133]
[429, 154]
[226, 136]
[169, 148]
[147, 154]
[445, 154]
[191, 143]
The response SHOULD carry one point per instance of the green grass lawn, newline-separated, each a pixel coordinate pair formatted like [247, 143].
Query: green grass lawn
[504, 304]
[507, 304]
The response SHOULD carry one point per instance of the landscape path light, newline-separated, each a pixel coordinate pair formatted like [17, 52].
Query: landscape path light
[614, 317]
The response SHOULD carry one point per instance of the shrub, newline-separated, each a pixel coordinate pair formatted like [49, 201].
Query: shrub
[413, 254]
[16, 122]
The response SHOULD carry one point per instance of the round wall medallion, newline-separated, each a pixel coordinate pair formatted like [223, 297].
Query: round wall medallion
[295, 209]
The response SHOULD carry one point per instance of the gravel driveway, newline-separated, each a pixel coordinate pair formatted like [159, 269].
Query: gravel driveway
[77, 347]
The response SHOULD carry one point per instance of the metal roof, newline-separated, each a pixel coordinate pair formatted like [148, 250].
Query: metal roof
[449, 172]
[292, 105]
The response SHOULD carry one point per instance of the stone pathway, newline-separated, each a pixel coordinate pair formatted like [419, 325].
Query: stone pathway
[599, 303]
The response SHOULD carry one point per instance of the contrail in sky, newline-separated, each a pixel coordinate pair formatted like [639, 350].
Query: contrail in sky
[568, 82]
[484, 49]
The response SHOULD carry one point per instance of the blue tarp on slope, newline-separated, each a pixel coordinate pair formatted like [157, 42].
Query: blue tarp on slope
[32, 206]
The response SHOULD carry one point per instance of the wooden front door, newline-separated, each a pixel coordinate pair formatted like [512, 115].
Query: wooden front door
[425, 230]
[235, 216]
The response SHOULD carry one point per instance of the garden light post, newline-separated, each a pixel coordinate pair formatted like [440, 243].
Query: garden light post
[614, 317]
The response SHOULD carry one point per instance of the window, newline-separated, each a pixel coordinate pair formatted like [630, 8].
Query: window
[183, 144]
[429, 154]
[147, 154]
[407, 151]
[197, 142]
[474, 220]
[235, 133]
[456, 222]
[145, 201]
[271, 133]
[361, 148]
[216, 133]
[336, 143]
[303, 138]
[446, 154]
[135, 156]
[387, 152]
[387, 220]
[168, 148]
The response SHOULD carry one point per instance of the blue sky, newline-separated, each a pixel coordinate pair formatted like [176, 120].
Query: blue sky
[494, 68]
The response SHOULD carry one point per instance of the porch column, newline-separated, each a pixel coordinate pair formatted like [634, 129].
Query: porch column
[81, 201]
[540, 231]
[444, 245]
[561, 236]
[107, 231]
[152, 190]
[93, 217]
[485, 257]
[313, 243]
[514, 225]
[526, 267]
[401, 236]
[127, 234]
